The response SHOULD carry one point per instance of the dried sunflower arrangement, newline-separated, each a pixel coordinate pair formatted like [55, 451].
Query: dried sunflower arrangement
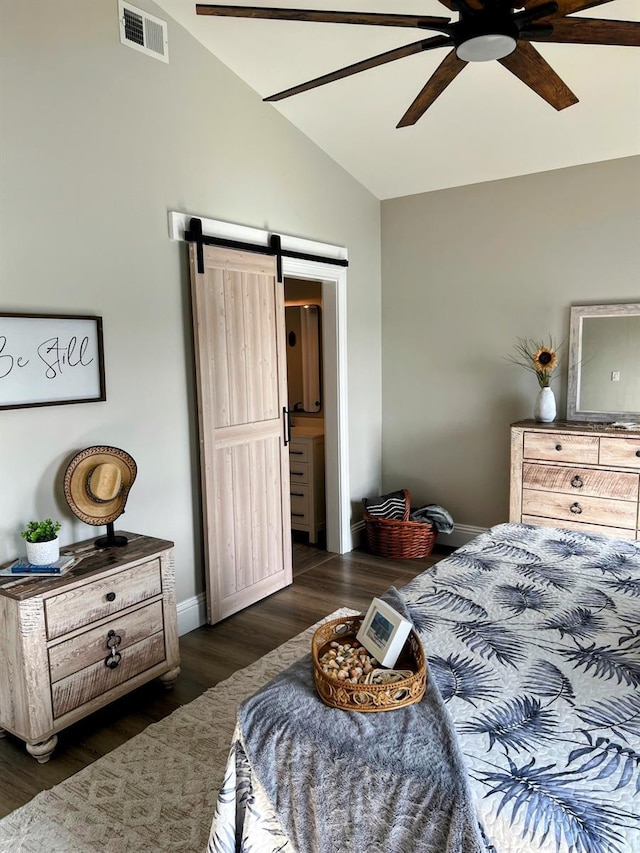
[537, 356]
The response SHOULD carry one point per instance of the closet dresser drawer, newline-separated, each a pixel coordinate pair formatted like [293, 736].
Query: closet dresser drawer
[306, 476]
[299, 451]
[577, 477]
[84, 638]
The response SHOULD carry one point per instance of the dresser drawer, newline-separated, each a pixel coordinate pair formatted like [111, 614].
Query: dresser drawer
[298, 472]
[559, 447]
[94, 680]
[586, 509]
[300, 504]
[299, 451]
[100, 598]
[581, 481]
[603, 530]
[73, 655]
[622, 452]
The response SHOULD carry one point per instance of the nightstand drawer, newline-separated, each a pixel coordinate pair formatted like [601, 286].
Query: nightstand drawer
[561, 447]
[73, 655]
[94, 680]
[622, 452]
[580, 481]
[93, 601]
[298, 472]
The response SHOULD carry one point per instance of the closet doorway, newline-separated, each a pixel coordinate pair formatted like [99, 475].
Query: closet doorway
[305, 387]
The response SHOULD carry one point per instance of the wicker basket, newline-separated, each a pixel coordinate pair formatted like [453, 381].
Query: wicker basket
[400, 539]
[367, 697]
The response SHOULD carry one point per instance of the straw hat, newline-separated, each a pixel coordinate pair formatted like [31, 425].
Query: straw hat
[97, 483]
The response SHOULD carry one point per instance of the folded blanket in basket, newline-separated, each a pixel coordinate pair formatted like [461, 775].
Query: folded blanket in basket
[437, 515]
[387, 782]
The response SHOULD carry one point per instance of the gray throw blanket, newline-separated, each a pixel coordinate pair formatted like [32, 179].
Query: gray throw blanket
[441, 518]
[346, 782]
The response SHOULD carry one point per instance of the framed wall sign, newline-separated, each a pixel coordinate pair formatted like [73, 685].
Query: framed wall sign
[50, 360]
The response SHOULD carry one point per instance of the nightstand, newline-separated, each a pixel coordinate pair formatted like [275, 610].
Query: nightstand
[72, 643]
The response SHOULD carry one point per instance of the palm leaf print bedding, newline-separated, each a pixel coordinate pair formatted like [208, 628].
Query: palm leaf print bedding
[532, 635]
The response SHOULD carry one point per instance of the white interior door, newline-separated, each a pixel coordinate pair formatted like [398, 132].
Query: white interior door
[239, 333]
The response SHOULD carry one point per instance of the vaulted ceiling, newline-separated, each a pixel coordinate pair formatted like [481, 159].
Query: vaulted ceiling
[486, 125]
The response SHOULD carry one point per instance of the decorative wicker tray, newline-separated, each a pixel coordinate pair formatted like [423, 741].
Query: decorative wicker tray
[367, 697]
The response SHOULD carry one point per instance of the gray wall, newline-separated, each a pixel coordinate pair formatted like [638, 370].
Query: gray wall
[465, 272]
[98, 143]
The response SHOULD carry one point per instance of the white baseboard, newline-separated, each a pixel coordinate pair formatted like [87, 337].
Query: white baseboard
[192, 613]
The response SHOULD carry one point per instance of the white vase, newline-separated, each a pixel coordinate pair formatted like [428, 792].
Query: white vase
[545, 408]
[43, 553]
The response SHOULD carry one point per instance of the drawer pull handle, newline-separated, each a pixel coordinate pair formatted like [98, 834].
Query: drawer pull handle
[575, 508]
[113, 660]
[577, 482]
[637, 452]
[297, 494]
[297, 473]
[298, 514]
[110, 596]
[113, 640]
[558, 447]
[297, 452]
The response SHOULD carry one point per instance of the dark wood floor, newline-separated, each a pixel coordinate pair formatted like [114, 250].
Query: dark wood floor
[322, 583]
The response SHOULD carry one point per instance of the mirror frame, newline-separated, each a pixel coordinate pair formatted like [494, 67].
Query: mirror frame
[578, 314]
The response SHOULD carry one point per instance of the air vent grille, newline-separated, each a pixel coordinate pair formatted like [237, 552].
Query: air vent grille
[143, 31]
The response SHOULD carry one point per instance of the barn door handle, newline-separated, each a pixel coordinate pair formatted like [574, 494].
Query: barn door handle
[286, 416]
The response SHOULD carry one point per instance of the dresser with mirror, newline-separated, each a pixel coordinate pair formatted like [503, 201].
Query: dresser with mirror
[584, 473]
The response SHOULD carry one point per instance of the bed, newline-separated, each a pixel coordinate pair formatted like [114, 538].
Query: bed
[532, 636]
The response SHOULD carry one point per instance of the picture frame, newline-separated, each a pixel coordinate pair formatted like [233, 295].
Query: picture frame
[383, 632]
[50, 360]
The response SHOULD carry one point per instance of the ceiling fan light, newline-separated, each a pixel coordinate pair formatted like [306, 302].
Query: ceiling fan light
[486, 47]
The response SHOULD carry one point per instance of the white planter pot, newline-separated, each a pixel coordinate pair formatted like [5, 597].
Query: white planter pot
[43, 553]
[545, 408]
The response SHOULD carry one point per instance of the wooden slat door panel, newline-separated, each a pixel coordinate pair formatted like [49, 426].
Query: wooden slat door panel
[240, 354]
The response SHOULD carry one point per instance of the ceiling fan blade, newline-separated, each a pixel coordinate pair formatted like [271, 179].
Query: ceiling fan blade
[527, 65]
[591, 31]
[447, 71]
[455, 7]
[424, 22]
[372, 62]
[565, 7]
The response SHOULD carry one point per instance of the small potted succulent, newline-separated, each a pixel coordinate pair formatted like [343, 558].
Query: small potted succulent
[43, 546]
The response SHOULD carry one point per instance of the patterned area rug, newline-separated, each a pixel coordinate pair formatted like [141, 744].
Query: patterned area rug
[157, 791]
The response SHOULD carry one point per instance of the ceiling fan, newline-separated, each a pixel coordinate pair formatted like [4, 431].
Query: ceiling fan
[485, 30]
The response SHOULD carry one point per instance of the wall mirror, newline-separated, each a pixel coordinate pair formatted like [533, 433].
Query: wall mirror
[303, 357]
[604, 363]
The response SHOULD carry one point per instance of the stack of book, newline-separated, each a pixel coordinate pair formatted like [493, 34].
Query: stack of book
[22, 566]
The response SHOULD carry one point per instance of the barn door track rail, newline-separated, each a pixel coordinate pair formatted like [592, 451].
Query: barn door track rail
[195, 235]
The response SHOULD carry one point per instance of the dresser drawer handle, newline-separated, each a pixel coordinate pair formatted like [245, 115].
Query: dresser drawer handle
[110, 596]
[637, 452]
[297, 452]
[113, 660]
[577, 482]
[113, 640]
[297, 514]
[558, 447]
[297, 494]
[297, 473]
[575, 508]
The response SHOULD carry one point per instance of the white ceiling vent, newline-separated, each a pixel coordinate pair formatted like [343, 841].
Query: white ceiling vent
[143, 32]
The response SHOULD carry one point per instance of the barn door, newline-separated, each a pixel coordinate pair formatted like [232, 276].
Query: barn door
[239, 332]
